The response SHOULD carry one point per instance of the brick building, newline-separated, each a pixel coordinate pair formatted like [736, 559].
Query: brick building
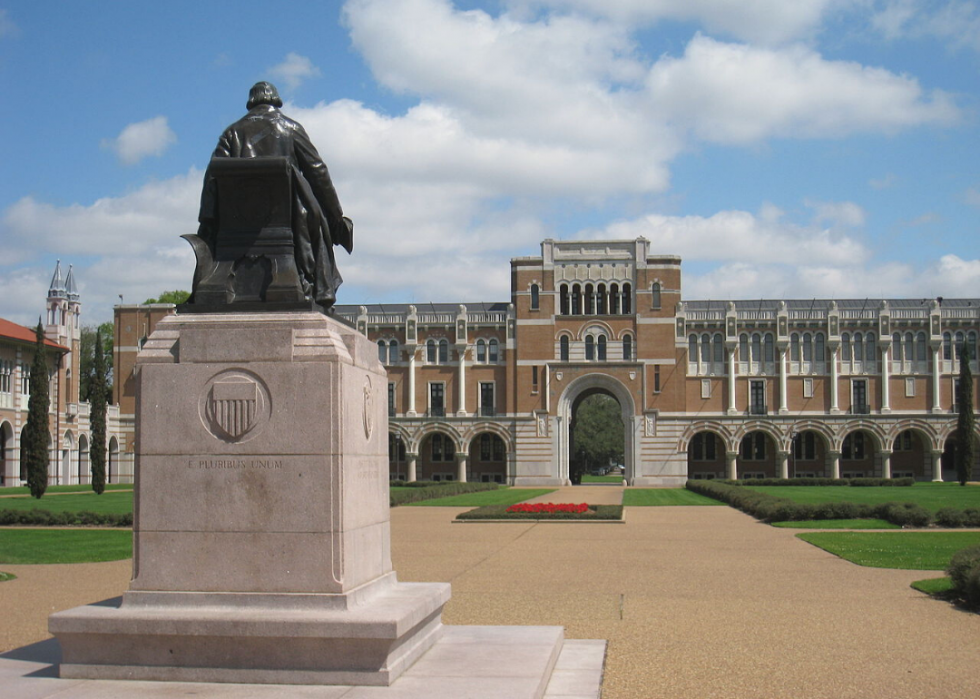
[707, 389]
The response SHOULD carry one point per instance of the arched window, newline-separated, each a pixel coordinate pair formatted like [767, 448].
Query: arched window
[818, 348]
[563, 299]
[692, 349]
[601, 343]
[858, 347]
[602, 300]
[971, 341]
[655, 293]
[807, 347]
[382, 352]
[576, 300]
[897, 347]
[492, 350]
[705, 348]
[794, 347]
[947, 346]
[430, 351]
[845, 347]
[627, 299]
[589, 348]
[628, 347]
[443, 351]
[909, 353]
[870, 349]
[770, 349]
[719, 348]
[563, 348]
[960, 340]
[534, 297]
[481, 351]
[589, 300]
[614, 299]
[743, 348]
[756, 348]
[920, 347]
[393, 357]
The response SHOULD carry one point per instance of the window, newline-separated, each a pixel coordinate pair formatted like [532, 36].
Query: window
[437, 399]
[903, 442]
[563, 300]
[655, 293]
[601, 347]
[853, 447]
[807, 347]
[756, 348]
[589, 348]
[753, 447]
[481, 351]
[818, 348]
[743, 348]
[602, 300]
[391, 399]
[947, 346]
[627, 299]
[440, 448]
[692, 349]
[382, 352]
[576, 300]
[805, 447]
[534, 297]
[396, 448]
[614, 299]
[563, 348]
[6, 369]
[393, 357]
[534, 379]
[25, 379]
[627, 347]
[656, 378]
[858, 347]
[487, 401]
[492, 351]
[719, 348]
[959, 342]
[491, 447]
[443, 351]
[794, 348]
[589, 300]
[920, 347]
[705, 348]
[757, 397]
[703, 447]
[870, 349]
[859, 397]
[845, 347]
[770, 353]
[430, 351]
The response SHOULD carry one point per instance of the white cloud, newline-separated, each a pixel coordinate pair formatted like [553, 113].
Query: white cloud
[837, 213]
[766, 21]
[142, 139]
[294, 70]
[955, 22]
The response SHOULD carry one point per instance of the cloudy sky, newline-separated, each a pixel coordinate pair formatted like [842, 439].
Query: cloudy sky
[814, 148]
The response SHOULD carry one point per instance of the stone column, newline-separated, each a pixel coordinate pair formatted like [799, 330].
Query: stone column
[834, 464]
[411, 384]
[731, 459]
[783, 400]
[461, 405]
[936, 350]
[885, 380]
[782, 459]
[937, 467]
[886, 464]
[412, 459]
[834, 402]
[731, 381]
[461, 459]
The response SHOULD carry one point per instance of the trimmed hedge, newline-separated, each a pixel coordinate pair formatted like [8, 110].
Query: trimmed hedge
[964, 572]
[430, 490]
[596, 512]
[770, 508]
[44, 518]
[859, 482]
[951, 517]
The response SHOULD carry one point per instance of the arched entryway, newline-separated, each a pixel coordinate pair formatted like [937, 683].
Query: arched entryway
[949, 458]
[858, 454]
[757, 455]
[84, 471]
[112, 468]
[808, 456]
[6, 453]
[67, 446]
[911, 455]
[487, 462]
[437, 458]
[706, 456]
[397, 458]
[580, 389]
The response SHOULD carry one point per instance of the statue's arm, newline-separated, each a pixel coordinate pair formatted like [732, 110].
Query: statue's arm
[316, 173]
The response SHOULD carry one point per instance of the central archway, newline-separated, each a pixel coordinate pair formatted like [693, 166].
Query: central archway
[574, 393]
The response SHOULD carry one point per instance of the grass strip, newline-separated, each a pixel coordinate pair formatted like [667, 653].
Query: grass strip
[83, 488]
[901, 550]
[108, 503]
[838, 524]
[934, 586]
[31, 546]
[664, 497]
[503, 496]
[931, 496]
[497, 512]
[4, 577]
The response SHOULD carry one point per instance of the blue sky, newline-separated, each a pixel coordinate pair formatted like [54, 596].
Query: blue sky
[818, 148]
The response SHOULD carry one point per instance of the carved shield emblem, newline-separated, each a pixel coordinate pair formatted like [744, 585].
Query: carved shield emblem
[234, 405]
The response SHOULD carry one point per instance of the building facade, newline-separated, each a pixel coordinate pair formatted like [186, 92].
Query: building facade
[706, 389]
[70, 430]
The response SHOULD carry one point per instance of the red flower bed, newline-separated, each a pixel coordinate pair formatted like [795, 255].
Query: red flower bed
[548, 508]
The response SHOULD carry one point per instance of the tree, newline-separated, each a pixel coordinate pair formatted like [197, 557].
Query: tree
[966, 438]
[87, 358]
[36, 437]
[175, 297]
[99, 398]
[597, 435]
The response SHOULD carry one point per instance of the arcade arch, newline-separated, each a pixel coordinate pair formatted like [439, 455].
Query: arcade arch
[6, 452]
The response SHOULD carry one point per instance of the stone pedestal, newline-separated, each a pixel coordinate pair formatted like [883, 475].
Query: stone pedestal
[261, 533]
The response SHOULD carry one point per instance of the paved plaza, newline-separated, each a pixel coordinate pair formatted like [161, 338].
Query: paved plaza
[694, 601]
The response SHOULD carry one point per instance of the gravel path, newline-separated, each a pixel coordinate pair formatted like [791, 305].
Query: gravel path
[695, 602]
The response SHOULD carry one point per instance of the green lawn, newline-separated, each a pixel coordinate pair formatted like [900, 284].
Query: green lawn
[4, 577]
[503, 496]
[588, 478]
[28, 546]
[838, 524]
[657, 497]
[905, 550]
[84, 488]
[107, 503]
[934, 586]
[931, 496]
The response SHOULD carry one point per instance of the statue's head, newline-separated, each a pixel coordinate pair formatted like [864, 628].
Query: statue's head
[263, 93]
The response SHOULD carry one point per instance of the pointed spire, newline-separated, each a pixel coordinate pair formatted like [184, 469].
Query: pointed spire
[70, 285]
[57, 287]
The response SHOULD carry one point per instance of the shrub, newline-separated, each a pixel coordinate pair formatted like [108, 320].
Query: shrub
[597, 512]
[437, 490]
[905, 514]
[964, 572]
[44, 518]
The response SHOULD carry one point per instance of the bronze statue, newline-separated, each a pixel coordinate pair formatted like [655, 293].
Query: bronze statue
[269, 217]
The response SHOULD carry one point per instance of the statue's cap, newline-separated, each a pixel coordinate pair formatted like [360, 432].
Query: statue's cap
[263, 93]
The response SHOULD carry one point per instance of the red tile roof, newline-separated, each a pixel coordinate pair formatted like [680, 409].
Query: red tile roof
[13, 331]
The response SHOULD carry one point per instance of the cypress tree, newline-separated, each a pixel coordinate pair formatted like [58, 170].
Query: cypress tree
[98, 400]
[966, 438]
[36, 437]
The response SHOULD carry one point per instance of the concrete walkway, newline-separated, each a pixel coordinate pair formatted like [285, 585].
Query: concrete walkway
[694, 601]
